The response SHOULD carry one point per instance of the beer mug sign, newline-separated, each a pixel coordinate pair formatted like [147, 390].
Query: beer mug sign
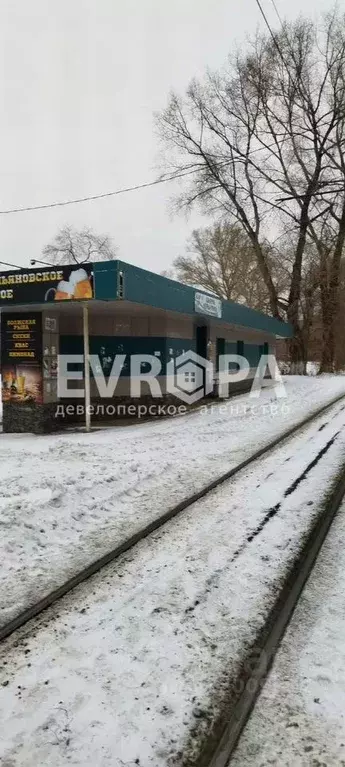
[78, 287]
[62, 292]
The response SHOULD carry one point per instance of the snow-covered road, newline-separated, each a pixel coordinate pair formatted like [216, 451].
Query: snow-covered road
[68, 499]
[299, 718]
[133, 667]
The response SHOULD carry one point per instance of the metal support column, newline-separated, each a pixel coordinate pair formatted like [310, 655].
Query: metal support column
[86, 366]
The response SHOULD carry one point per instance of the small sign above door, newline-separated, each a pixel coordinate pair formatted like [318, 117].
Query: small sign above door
[205, 304]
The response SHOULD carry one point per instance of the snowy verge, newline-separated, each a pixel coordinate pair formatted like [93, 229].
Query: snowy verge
[68, 499]
[299, 717]
[136, 666]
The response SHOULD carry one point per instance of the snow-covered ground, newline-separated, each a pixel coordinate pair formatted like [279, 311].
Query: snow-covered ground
[133, 666]
[68, 499]
[299, 719]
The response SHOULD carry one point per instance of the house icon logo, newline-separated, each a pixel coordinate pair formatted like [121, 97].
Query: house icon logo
[189, 377]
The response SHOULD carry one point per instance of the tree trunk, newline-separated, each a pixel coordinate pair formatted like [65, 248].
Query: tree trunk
[272, 293]
[298, 363]
[326, 358]
[330, 308]
[296, 343]
[328, 345]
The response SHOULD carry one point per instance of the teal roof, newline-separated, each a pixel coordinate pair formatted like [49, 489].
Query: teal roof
[117, 280]
[144, 287]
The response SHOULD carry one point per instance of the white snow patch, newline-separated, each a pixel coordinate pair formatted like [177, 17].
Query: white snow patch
[124, 669]
[68, 499]
[299, 717]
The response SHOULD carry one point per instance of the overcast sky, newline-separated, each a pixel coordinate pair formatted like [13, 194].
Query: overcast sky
[79, 82]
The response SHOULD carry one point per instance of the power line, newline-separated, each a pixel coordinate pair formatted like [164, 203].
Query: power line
[146, 185]
[271, 31]
[99, 196]
[277, 12]
[286, 65]
[155, 182]
[267, 23]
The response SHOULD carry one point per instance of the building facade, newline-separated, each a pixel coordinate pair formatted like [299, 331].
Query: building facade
[107, 310]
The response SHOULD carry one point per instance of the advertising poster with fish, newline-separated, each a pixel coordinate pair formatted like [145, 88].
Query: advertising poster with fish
[73, 283]
[21, 355]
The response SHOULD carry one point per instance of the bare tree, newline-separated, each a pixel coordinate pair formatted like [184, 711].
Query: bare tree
[72, 246]
[311, 163]
[221, 259]
[333, 256]
[220, 172]
[258, 141]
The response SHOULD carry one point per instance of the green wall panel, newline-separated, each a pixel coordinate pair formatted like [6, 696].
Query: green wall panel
[252, 352]
[105, 276]
[177, 346]
[108, 346]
